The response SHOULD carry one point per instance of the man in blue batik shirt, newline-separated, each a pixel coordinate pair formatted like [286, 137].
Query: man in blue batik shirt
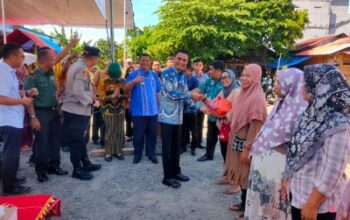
[173, 94]
[144, 86]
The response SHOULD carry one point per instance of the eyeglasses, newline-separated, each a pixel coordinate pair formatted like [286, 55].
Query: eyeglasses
[224, 77]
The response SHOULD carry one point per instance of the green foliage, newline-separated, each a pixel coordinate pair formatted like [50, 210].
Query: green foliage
[214, 28]
[63, 40]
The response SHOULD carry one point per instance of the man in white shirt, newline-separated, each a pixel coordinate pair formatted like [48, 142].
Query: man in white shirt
[11, 118]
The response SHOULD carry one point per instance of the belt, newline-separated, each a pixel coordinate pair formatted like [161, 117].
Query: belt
[46, 108]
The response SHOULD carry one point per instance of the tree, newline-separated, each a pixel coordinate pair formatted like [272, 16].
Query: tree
[105, 51]
[227, 28]
[63, 40]
[140, 40]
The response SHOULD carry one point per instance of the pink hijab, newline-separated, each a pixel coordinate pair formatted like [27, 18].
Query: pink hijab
[251, 104]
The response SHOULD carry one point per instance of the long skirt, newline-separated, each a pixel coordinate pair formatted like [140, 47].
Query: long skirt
[115, 139]
[264, 199]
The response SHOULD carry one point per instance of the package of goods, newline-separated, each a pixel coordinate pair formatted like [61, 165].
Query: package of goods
[219, 107]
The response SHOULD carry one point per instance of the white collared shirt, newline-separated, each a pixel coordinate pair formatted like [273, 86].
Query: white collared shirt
[10, 115]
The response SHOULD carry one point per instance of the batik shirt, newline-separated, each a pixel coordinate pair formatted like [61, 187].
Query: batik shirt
[211, 89]
[190, 105]
[172, 96]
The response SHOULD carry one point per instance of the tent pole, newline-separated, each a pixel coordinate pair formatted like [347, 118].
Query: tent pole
[111, 5]
[3, 21]
[124, 56]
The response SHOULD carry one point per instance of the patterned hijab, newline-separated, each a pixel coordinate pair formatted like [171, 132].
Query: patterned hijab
[227, 90]
[279, 125]
[327, 114]
[251, 104]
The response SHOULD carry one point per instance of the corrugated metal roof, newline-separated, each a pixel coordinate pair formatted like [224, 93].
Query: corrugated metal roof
[327, 49]
[317, 41]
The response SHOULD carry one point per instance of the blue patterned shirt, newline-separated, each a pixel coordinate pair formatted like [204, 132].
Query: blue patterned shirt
[190, 105]
[201, 79]
[172, 96]
[211, 89]
[143, 99]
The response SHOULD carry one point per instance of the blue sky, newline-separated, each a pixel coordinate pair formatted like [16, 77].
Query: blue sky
[143, 16]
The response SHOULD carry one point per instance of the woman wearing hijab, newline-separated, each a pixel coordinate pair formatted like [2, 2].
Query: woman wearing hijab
[248, 115]
[231, 92]
[320, 144]
[264, 199]
[113, 112]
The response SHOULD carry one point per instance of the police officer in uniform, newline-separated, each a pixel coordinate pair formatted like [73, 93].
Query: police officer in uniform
[76, 108]
[45, 121]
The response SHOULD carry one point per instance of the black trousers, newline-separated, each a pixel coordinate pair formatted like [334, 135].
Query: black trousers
[200, 121]
[98, 125]
[75, 126]
[296, 215]
[145, 127]
[128, 120]
[212, 138]
[171, 135]
[11, 137]
[189, 126]
[223, 146]
[47, 140]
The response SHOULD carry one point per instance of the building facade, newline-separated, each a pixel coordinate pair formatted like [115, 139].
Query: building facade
[326, 17]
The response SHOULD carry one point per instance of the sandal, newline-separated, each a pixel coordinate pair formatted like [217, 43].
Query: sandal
[236, 207]
[231, 190]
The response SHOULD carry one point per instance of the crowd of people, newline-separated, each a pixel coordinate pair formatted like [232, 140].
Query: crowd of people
[289, 164]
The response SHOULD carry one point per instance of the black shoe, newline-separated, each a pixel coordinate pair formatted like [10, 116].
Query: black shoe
[18, 190]
[120, 156]
[136, 160]
[204, 158]
[193, 152]
[102, 143]
[20, 180]
[66, 148]
[92, 167]
[95, 142]
[201, 146]
[182, 150]
[42, 177]
[153, 160]
[31, 161]
[108, 158]
[172, 183]
[128, 139]
[182, 178]
[82, 174]
[58, 171]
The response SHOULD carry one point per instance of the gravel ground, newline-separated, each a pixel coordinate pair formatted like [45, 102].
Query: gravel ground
[122, 190]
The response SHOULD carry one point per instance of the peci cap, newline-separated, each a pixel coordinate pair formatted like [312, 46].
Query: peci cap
[91, 51]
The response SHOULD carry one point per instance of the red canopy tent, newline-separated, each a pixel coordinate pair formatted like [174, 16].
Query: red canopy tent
[27, 38]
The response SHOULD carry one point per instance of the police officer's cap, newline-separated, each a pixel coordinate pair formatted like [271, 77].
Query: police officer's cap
[91, 52]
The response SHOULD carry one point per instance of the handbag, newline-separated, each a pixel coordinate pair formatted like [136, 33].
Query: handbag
[224, 132]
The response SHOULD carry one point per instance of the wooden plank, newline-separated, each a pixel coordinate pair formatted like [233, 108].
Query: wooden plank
[102, 153]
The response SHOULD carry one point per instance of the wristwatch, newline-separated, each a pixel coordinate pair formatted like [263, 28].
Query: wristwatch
[32, 116]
